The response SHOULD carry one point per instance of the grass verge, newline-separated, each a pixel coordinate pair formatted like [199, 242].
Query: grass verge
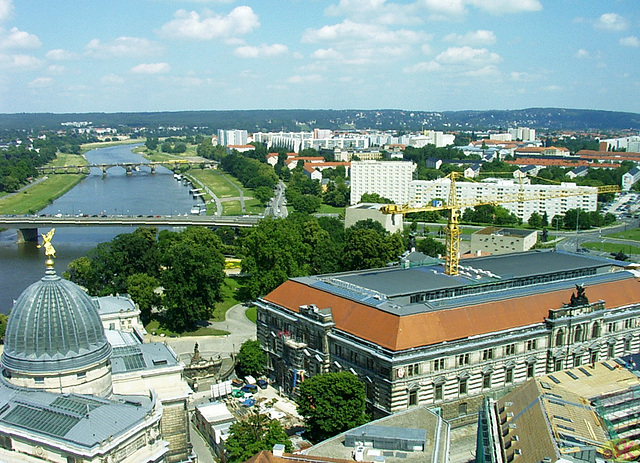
[612, 247]
[39, 195]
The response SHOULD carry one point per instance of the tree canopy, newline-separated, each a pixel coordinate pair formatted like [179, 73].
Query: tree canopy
[251, 436]
[331, 403]
[251, 359]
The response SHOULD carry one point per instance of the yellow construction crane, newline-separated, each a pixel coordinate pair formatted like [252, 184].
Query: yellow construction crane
[452, 231]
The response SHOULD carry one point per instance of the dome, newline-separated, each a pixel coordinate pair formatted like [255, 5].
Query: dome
[54, 327]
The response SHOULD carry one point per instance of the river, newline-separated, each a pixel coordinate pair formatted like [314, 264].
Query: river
[116, 193]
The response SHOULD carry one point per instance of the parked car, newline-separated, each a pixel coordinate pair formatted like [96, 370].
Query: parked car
[250, 388]
[237, 383]
[262, 383]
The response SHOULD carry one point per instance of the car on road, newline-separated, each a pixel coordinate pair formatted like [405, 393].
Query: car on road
[262, 383]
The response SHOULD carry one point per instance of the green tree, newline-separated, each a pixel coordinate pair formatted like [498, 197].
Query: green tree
[331, 403]
[431, 247]
[251, 359]
[374, 198]
[263, 194]
[142, 289]
[151, 143]
[306, 204]
[3, 325]
[535, 220]
[193, 275]
[251, 436]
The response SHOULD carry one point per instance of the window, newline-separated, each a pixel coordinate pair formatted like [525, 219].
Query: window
[462, 386]
[413, 397]
[627, 345]
[39, 380]
[532, 344]
[413, 370]
[82, 375]
[628, 323]
[611, 327]
[577, 360]
[437, 392]
[486, 381]
[595, 331]
[593, 357]
[487, 354]
[508, 375]
[509, 349]
[531, 370]
[437, 365]
[338, 350]
[462, 359]
[462, 409]
[559, 338]
[577, 336]
[611, 350]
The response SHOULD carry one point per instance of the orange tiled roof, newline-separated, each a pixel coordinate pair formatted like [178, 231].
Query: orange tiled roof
[405, 332]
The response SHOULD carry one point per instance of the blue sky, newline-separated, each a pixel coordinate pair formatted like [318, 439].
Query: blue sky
[434, 55]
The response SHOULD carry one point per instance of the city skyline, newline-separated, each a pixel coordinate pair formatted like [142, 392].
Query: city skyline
[433, 55]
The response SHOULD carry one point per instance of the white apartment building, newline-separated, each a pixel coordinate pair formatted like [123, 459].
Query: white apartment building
[232, 137]
[630, 178]
[523, 133]
[389, 179]
[552, 199]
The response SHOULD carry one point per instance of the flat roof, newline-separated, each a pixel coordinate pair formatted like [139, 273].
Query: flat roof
[141, 357]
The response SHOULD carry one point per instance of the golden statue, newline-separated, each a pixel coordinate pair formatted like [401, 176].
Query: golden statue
[49, 250]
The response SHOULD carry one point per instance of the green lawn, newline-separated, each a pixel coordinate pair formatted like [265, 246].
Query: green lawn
[40, 195]
[612, 247]
[252, 313]
[633, 234]
[326, 209]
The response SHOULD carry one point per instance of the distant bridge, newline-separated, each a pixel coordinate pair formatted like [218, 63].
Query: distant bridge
[128, 166]
[28, 225]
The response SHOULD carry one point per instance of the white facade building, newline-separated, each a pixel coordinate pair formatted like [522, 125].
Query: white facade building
[560, 198]
[232, 137]
[523, 133]
[389, 179]
[630, 178]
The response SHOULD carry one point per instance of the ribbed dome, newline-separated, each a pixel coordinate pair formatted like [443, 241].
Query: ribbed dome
[53, 327]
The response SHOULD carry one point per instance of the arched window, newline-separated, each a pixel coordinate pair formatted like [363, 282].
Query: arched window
[595, 331]
[578, 334]
[559, 338]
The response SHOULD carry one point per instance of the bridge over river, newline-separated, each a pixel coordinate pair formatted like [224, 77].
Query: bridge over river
[28, 225]
[173, 165]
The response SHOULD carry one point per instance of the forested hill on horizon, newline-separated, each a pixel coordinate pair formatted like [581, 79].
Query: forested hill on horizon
[307, 119]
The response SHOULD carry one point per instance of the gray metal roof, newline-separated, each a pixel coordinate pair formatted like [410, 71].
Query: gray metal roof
[53, 327]
[85, 421]
[114, 304]
[141, 356]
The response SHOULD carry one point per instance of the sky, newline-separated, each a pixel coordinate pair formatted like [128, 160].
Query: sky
[64, 56]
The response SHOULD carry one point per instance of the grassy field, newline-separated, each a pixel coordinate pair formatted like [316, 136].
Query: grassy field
[91, 146]
[633, 234]
[40, 195]
[612, 247]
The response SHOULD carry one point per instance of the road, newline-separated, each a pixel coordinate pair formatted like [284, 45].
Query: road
[276, 206]
[237, 324]
[572, 241]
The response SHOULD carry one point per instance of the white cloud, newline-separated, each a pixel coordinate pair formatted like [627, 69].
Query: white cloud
[327, 54]
[111, 79]
[60, 55]
[498, 7]
[17, 39]
[430, 66]
[151, 68]
[20, 62]
[467, 56]
[611, 22]
[582, 53]
[190, 25]
[472, 38]
[6, 9]
[349, 31]
[445, 9]
[307, 79]
[56, 69]
[631, 41]
[375, 11]
[262, 51]
[122, 47]
[41, 82]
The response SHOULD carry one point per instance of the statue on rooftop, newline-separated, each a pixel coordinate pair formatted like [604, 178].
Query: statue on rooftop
[579, 297]
[49, 250]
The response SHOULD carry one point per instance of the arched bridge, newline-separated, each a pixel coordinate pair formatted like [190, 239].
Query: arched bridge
[174, 165]
[28, 225]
